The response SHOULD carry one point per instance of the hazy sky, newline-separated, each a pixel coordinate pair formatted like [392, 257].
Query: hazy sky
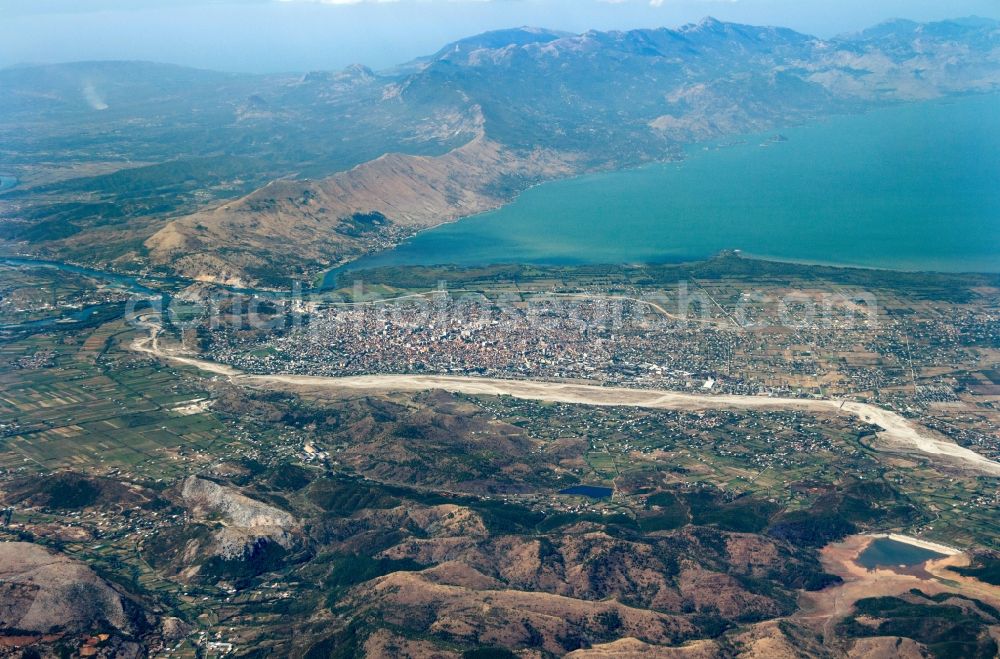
[297, 35]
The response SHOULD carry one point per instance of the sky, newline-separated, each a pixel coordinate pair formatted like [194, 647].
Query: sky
[265, 36]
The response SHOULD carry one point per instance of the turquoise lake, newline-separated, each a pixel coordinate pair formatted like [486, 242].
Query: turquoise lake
[913, 187]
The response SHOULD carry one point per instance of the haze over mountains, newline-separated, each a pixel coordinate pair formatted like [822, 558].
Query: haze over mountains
[263, 179]
[634, 451]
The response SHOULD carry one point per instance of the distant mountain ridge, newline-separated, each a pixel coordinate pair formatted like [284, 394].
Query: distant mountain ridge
[547, 103]
[494, 39]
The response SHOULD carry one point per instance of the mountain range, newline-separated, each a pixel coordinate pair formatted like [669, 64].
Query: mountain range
[263, 179]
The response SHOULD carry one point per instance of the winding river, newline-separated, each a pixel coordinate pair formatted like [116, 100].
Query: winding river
[93, 313]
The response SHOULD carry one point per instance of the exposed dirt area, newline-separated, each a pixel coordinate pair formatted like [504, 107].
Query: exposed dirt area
[825, 607]
[886, 647]
[966, 585]
[631, 648]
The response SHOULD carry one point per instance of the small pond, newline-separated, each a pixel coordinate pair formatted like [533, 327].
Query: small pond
[592, 491]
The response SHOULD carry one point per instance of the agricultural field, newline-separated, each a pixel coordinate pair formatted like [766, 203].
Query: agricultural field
[295, 519]
[84, 401]
[33, 294]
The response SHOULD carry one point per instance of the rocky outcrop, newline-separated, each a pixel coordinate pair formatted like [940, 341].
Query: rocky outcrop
[245, 521]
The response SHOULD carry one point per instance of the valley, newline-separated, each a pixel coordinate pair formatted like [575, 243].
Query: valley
[384, 503]
[457, 134]
[895, 432]
[666, 342]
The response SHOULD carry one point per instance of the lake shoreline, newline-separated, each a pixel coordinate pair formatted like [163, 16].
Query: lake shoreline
[917, 542]
[854, 211]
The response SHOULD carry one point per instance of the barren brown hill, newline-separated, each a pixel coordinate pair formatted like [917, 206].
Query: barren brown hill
[668, 574]
[290, 226]
[67, 490]
[511, 618]
[631, 648]
[46, 593]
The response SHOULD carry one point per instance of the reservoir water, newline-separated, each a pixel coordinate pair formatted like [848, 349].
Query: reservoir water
[884, 552]
[592, 491]
[914, 187]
